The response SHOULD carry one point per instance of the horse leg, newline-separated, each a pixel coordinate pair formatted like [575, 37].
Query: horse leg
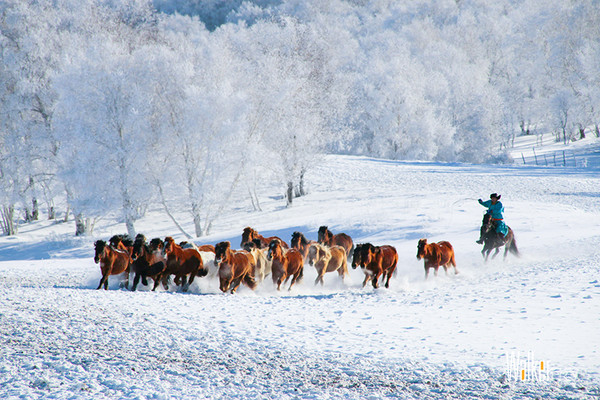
[367, 277]
[136, 280]
[103, 281]
[184, 283]
[236, 284]
[375, 280]
[496, 253]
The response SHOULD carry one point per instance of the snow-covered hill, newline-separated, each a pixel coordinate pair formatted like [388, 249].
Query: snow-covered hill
[447, 337]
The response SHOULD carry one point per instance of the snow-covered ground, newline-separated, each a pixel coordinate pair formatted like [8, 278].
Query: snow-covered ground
[447, 337]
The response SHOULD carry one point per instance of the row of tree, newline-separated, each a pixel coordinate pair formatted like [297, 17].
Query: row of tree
[118, 105]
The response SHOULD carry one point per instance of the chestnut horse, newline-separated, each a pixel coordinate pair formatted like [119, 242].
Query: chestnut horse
[147, 263]
[207, 252]
[112, 262]
[286, 263]
[327, 259]
[375, 261]
[492, 240]
[327, 238]
[185, 264]
[435, 255]
[249, 235]
[123, 242]
[299, 242]
[234, 267]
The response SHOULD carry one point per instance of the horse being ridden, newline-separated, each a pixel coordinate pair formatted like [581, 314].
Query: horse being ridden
[493, 240]
[112, 262]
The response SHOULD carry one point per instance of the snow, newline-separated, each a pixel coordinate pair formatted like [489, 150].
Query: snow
[446, 337]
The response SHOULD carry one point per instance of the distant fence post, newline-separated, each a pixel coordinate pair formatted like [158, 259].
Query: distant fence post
[564, 159]
[545, 160]
[535, 156]
[555, 159]
[523, 157]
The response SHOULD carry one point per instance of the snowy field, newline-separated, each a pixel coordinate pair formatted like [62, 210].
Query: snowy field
[447, 337]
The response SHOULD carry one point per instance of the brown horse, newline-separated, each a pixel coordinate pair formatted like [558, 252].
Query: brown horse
[286, 263]
[147, 263]
[112, 262]
[435, 255]
[327, 238]
[375, 261]
[234, 267]
[249, 235]
[299, 242]
[185, 264]
[123, 242]
[327, 259]
[492, 240]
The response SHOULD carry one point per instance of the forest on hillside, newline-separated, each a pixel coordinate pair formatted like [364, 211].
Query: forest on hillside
[111, 106]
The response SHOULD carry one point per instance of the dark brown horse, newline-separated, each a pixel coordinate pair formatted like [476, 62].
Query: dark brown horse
[327, 238]
[286, 263]
[234, 267]
[300, 243]
[436, 255]
[147, 263]
[185, 264]
[375, 261]
[249, 235]
[492, 240]
[112, 262]
[327, 259]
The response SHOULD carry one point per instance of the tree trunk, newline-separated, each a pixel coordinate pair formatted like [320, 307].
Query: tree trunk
[83, 226]
[35, 211]
[8, 220]
[581, 133]
[290, 193]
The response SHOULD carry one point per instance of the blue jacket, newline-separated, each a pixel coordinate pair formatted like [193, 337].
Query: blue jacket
[497, 210]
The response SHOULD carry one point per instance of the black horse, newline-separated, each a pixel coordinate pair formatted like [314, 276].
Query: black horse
[492, 240]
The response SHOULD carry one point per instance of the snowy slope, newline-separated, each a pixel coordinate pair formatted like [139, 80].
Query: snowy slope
[447, 337]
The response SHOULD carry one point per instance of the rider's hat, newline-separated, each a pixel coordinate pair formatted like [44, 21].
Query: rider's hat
[496, 195]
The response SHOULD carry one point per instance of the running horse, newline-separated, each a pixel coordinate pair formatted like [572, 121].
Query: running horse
[112, 262]
[251, 235]
[147, 262]
[327, 238]
[185, 264]
[299, 242]
[491, 239]
[235, 267]
[435, 255]
[286, 263]
[375, 262]
[327, 259]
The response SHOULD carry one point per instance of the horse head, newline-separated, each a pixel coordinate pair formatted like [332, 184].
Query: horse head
[138, 244]
[275, 250]
[168, 245]
[356, 256]
[421, 248]
[221, 250]
[324, 234]
[247, 235]
[297, 240]
[367, 253]
[99, 246]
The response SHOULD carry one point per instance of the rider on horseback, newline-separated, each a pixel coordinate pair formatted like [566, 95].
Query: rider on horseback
[496, 210]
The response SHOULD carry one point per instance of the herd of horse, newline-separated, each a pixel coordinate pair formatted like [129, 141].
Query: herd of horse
[261, 256]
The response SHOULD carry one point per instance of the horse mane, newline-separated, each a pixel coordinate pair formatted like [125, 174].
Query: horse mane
[99, 245]
[123, 238]
[301, 237]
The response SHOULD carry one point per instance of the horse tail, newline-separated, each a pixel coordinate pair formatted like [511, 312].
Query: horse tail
[250, 281]
[513, 247]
